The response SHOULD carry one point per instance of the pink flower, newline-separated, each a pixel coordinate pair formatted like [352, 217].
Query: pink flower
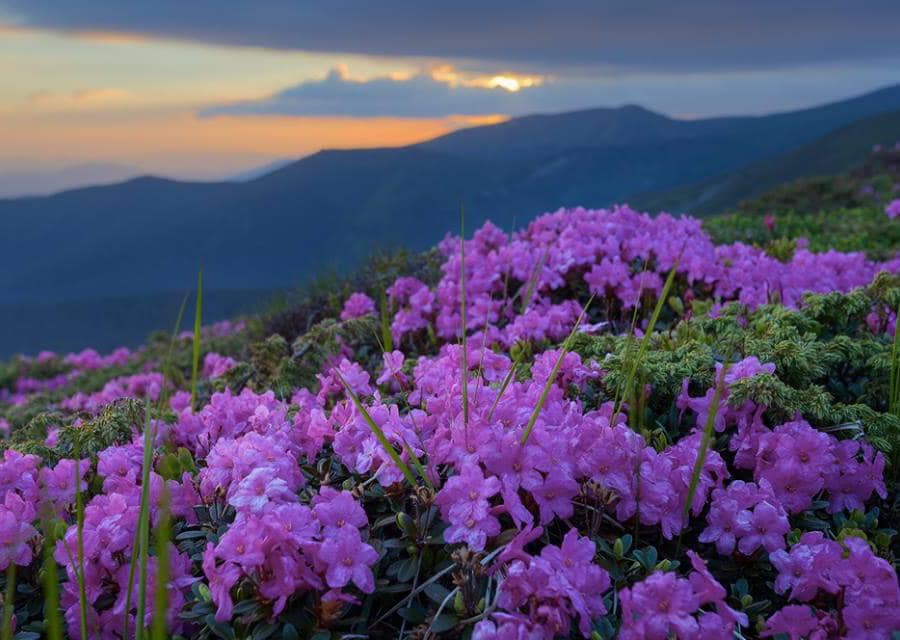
[892, 210]
[215, 365]
[463, 501]
[348, 558]
[338, 509]
[259, 488]
[765, 527]
[796, 621]
[554, 495]
[357, 305]
[16, 531]
[660, 605]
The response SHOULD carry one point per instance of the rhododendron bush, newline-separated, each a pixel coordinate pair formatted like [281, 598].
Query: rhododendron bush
[632, 433]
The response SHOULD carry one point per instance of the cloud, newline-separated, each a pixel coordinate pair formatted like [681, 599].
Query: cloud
[440, 92]
[550, 36]
[469, 97]
[80, 98]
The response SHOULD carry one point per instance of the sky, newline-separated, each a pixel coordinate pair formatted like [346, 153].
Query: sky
[210, 88]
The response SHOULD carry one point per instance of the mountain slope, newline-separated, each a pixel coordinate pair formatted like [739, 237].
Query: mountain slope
[834, 153]
[148, 236]
[16, 183]
[844, 212]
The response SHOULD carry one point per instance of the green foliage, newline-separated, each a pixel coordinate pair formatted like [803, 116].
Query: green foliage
[273, 364]
[829, 366]
[843, 212]
[864, 228]
[295, 314]
[114, 425]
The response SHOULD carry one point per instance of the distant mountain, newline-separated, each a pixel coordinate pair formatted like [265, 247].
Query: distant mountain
[258, 172]
[18, 183]
[147, 236]
[834, 153]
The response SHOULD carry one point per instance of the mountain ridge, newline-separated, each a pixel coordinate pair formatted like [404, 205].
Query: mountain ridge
[328, 211]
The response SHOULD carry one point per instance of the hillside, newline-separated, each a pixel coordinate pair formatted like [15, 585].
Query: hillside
[327, 212]
[834, 153]
[844, 212]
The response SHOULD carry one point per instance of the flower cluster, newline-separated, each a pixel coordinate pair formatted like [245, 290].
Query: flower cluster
[541, 595]
[140, 385]
[282, 547]
[216, 366]
[89, 359]
[501, 463]
[746, 516]
[110, 525]
[864, 585]
[357, 306]
[621, 256]
[892, 210]
[665, 605]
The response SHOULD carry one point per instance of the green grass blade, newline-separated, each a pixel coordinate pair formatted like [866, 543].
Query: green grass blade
[167, 362]
[634, 318]
[144, 514]
[144, 527]
[505, 384]
[704, 443]
[379, 434]
[562, 353]
[9, 602]
[79, 528]
[462, 301]
[53, 628]
[163, 532]
[387, 338]
[198, 320]
[533, 280]
[481, 360]
[645, 341]
[416, 463]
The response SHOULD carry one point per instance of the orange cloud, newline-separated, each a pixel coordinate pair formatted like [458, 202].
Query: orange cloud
[93, 96]
[79, 99]
[448, 74]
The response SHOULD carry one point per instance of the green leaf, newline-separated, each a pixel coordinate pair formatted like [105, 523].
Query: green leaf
[414, 615]
[444, 622]
[407, 570]
[437, 593]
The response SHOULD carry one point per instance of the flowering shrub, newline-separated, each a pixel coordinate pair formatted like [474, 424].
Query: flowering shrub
[729, 466]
